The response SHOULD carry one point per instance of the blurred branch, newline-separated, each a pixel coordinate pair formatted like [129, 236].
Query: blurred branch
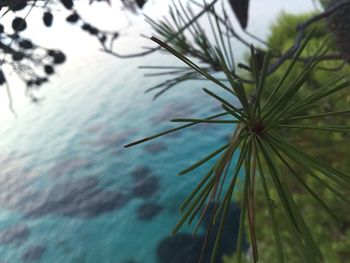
[9, 96]
[301, 28]
[140, 54]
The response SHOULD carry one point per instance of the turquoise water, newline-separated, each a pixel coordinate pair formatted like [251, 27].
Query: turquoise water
[70, 192]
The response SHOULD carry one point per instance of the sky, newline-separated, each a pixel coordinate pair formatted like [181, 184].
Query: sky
[82, 49]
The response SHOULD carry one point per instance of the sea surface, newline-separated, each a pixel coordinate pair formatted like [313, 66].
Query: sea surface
[70, 192]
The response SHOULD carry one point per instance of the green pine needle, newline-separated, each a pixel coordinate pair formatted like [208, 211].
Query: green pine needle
[258, 133]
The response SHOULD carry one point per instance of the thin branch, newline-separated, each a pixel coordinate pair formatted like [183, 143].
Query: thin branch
[337, 68]
[140, 54]
[9, 95]
[301, 34]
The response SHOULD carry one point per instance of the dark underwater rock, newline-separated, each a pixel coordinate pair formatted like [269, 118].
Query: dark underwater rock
[147, 187]
[141, 172]
[70, 166]
[115, 140]
[230, 233]
[96, 127]
[156, 147]
[80, 198]
[33, 253]
[174, 110]
[14, 234]
[181, 248]
[130, 261]
[14, 187]
[148, 210]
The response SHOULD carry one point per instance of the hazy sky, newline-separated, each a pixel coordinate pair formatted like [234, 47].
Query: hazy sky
[69, 38]
[80, 47]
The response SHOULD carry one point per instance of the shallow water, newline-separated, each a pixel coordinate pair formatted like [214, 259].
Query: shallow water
[72, 191]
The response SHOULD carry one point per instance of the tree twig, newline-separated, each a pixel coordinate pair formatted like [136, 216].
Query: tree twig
[150, 51]
[301, 34]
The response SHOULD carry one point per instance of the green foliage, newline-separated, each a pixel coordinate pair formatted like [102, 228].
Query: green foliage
[282, 37]
[284, 29]
[331, 230]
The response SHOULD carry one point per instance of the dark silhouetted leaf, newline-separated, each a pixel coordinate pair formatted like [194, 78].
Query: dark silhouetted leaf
[73, 18]
[67, 3]
[16, 5]
[48, 18]
[38, 82]
[115, 36]
[17, 56]
[58, 56]
[141, 3]
[19, 24]
[240, 8]
[86, 27]
[92, 30]
[30, 83]
[102, 39]
[48, 69]
[51, 52]
[26, 44]
[2, 77]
